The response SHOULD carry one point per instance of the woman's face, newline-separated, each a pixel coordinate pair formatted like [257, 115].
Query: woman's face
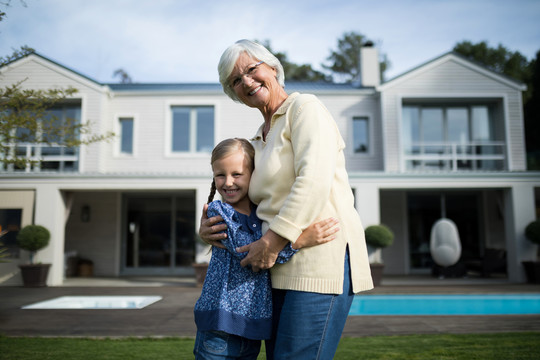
[259, 87]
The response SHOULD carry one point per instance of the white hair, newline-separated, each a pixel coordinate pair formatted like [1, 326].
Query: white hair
[254, 50]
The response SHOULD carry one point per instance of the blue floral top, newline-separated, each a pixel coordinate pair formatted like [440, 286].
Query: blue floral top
[235, 299]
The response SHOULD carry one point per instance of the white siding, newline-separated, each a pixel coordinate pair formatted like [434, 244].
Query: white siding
[452, 79]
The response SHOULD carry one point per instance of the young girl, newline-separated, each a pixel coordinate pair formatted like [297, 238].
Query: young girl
[234, 312]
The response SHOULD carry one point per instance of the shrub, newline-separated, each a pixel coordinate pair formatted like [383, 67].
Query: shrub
[532, 231]
[379, 236]
[33, 238]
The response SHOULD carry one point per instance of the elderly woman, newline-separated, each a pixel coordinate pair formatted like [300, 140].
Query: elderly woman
[299, 178]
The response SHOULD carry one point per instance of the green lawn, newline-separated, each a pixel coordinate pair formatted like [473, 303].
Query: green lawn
[514, 346]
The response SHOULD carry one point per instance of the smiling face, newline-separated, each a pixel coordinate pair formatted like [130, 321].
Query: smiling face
[260, 89]
[232, 175]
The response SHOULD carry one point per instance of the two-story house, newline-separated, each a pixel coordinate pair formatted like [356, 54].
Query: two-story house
[445, 139]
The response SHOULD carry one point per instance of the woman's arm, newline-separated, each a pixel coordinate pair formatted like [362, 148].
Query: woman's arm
[263, 254]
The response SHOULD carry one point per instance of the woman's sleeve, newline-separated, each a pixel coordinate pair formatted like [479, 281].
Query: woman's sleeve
[316, 143]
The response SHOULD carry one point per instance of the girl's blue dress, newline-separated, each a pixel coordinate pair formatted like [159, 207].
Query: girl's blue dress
[235, 299]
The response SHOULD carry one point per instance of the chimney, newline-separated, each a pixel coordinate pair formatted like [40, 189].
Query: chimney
[370, 74]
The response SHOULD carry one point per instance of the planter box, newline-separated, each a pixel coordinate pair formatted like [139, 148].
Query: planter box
[532, 270]
[376, 273]
[200, 273]
[35, 275]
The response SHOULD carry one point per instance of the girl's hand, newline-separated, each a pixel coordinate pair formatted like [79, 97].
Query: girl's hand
[318, 233]
[211, 233]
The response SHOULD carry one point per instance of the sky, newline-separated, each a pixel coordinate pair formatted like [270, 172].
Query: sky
[180, 41]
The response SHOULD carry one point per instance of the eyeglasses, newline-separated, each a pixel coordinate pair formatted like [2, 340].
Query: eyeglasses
[249, 72]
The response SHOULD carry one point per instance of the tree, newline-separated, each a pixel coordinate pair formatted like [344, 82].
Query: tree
[532, 117]
[123, 75]
[516, 66]
[295, 72]
[25, 118]
[345, 60]
[499, 59]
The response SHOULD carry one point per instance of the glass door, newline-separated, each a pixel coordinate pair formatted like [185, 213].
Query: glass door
[159, 233]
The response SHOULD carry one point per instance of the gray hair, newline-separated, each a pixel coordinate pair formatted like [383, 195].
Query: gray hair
[253, 49]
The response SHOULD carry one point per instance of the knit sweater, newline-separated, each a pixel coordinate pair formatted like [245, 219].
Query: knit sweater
[300, 178]
[235, 299]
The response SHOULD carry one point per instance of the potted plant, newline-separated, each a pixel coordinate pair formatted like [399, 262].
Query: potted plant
[377, 237]
[34, 238]
[532, 268]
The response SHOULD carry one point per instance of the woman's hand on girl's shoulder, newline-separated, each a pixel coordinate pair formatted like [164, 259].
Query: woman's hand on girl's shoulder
[317, 233]
[210, 231]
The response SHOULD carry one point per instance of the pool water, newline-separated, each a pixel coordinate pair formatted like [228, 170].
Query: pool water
[96, 302]
[485, 304]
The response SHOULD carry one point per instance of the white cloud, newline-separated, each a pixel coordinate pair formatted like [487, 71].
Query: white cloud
[181, 40]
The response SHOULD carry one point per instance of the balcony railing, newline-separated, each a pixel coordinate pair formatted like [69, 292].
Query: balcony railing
[43, 157]
[469, 156]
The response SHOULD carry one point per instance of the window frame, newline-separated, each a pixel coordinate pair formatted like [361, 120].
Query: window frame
[169, 153]
[369, 133]
[134, 138]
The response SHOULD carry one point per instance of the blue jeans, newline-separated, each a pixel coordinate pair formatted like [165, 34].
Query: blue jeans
[210, 345]
[309, 325]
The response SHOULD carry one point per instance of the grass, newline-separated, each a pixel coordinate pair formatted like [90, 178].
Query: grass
[516, 346]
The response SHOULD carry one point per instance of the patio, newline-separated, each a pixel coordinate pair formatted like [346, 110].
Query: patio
[173, 315]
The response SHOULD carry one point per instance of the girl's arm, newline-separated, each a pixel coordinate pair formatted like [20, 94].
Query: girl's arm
[318, 233]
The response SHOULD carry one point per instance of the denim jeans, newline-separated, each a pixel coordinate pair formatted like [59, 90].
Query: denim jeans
[211, 345]
[309, 325]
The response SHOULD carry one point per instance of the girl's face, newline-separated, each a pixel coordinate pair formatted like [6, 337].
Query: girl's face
[232, 176]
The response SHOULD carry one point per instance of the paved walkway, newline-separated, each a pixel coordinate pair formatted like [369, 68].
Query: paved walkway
[173, 315]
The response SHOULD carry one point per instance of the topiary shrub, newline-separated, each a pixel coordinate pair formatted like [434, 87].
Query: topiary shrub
[532, 232]
[33, 238]
[379, 236]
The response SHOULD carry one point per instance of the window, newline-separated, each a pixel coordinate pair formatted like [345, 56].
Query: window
[126, 135]
[452, 137]
[192, 129]
[43, 147]
[10, 224]
[360, 135]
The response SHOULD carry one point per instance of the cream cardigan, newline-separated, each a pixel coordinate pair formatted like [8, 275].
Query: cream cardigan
[300, 178]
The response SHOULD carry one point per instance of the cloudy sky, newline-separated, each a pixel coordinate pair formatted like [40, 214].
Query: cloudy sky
[182, 40]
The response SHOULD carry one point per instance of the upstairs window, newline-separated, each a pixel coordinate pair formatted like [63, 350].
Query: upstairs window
[126, 135]
[43, 145]
[452, 137]
[192, 129]
[361, 135]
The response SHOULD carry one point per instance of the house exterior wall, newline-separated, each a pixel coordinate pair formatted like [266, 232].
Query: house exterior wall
[377, 177]
[451, 79]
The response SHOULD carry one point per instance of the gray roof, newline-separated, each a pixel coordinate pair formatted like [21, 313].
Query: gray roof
[195, 87]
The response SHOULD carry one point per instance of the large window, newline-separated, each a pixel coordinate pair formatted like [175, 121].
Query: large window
[192, 129]
[457, 137]
[43, 147]
[360, 135]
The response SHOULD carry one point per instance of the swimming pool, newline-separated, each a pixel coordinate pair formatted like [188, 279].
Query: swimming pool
[484, 304]
[96, 302]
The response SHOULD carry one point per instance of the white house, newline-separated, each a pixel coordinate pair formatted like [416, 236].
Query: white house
[443, 140]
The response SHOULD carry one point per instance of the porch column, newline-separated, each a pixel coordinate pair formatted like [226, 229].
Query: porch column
[49, 212]
[367, 203]
[519, 212]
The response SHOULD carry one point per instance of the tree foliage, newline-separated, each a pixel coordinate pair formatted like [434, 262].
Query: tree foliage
[25, 118]
[516, 66]
[499, 59]
[345, 60]
[295, 72]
